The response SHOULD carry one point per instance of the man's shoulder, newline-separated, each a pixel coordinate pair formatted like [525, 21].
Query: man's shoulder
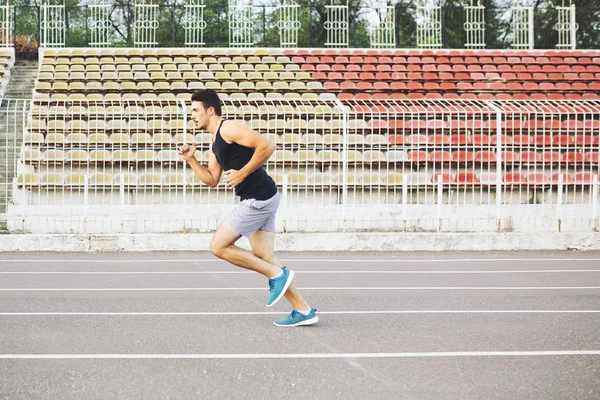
[231, 130]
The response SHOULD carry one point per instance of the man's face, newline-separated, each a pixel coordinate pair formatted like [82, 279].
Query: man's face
[200, 115]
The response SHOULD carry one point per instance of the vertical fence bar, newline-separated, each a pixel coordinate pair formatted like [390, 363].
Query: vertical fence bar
[573, 26]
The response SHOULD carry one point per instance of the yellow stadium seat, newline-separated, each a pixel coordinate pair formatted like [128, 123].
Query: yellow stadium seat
[282, 156]
[145, 156]
[34, 138]
[306, 156]
[162, 139]
[355, 140]
[141, 139]
[168, 156]
[101, 179]
[28, 179]
[55, 139]
[290, 139]
[173, 179]
[77, 139]
[51, 179]
[180, 138]
[374, 157]
[54, 156]
[100, 156]
[329, 157]
[333, 139]
[77, 157]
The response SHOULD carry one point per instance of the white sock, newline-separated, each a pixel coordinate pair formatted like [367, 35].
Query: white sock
[304, 312]
[278, 275]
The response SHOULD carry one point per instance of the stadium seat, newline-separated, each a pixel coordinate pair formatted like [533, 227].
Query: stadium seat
[584, 178]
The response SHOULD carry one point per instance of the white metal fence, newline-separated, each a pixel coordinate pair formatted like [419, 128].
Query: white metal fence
[337, 25]
[100, 25]
[241, 24]
[7, 25]
[428, 165]
[146, 23]
[566, 27]
[475, 25]
[52, 25]
[429, 24]
[522, 27]
[194, 23]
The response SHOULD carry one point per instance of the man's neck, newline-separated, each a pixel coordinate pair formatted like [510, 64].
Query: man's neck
[213, 125]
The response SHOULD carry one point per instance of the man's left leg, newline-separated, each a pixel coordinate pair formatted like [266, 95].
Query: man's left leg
[263, 244]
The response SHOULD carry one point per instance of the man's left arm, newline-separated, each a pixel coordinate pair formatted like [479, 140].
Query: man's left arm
[235, 132]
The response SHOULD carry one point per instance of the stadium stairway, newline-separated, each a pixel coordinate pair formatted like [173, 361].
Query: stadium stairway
[22, 80]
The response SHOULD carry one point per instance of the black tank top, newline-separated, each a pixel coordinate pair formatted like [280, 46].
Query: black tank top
[258, 185]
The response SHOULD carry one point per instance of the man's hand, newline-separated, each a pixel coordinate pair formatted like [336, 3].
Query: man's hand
[233, 177]
[187, 151]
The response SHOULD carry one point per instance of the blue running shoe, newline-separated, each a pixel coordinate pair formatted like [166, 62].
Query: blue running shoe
[278, 286]
[296, 318]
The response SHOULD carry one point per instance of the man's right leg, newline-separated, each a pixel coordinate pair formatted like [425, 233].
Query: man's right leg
[223, 246]
[263, 244]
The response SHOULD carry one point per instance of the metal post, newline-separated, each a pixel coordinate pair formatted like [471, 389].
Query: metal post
[404, 200]
[183, 162]
[559, 201]
[595, 203]
[439, 205]
[530, 30]
[573, 27]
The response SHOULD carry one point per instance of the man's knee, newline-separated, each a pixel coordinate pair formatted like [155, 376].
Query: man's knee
[265, 256]
[216, 249]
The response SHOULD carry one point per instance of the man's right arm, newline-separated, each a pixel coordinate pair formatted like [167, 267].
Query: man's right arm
[211, 175]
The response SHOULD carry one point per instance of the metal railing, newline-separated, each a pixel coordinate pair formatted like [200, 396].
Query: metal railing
[403, 26]
[432, 165]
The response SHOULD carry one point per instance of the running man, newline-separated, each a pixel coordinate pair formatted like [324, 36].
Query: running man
[241, 153]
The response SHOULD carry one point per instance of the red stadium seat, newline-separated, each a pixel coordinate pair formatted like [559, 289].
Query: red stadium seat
[521, 140]
[583, 140]
[460, 140]
[466, 178]
[572, 157]
[440, 156]
[592, 157]
[567, 178]
[504, 139]
[439, 140]
[481, 140]
[563, 140]
[396, 140]
[417, 156]
[509, 157]
[463, 156]
[551, 157]
[543, 140]
[485, 156]
[514, 179]
[443, 177]
[417, 140]
[538, 178]
[530, 157]
[584, 178]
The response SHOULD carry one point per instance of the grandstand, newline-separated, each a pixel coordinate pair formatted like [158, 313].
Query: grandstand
[367, 139]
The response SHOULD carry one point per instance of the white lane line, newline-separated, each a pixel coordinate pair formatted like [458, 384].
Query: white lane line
[306, 288]
[530, 271]
[238, 313]
[307, 355]
[437, 260]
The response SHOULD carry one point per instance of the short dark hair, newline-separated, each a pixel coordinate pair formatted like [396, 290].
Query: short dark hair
[209, 98]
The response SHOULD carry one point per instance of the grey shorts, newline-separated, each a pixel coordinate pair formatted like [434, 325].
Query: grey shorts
[251, 215]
